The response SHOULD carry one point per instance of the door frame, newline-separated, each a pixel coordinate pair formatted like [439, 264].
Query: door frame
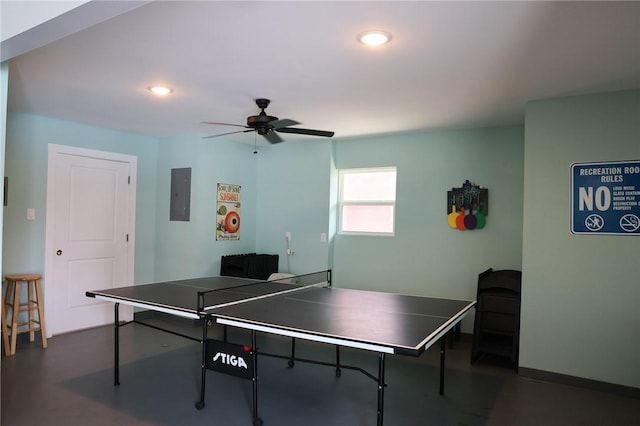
[49, 254]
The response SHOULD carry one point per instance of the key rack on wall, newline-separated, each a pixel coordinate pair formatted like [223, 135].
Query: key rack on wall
[467, 207]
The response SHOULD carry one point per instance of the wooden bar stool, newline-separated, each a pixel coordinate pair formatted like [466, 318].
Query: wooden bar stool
[34, 303]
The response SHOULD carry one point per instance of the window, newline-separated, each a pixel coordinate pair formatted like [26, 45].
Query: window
[367, 201]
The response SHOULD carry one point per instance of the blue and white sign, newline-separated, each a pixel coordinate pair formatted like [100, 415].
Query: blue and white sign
[605, 198]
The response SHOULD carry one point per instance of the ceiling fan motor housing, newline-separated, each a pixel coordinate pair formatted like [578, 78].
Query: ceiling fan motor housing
[261, 120]
[258, 121]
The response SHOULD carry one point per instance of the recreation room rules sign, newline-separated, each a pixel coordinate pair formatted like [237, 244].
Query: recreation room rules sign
[605, 198]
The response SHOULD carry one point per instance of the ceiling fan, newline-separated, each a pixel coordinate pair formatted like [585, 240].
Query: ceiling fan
[269, 126]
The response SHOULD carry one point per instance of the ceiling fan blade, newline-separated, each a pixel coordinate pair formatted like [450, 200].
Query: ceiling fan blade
[272, 137]
[228, 133]
[223, 124]
[311, 132]
[278, 124]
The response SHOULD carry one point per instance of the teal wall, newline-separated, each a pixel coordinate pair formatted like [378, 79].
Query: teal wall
[426, 256]
[189, 249]
[26, 153]
[581, 293]
[293, 196]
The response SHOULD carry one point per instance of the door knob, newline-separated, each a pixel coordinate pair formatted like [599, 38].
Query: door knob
[59, 252]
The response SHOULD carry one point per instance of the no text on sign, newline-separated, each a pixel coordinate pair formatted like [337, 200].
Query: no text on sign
[605, 198]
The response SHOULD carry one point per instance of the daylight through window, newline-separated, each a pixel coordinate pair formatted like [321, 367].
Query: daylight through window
[367, 200]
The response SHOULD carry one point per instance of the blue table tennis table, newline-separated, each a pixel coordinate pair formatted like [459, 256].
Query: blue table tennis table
[304, 307]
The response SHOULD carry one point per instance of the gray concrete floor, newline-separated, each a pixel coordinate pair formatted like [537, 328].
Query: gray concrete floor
[71, 383]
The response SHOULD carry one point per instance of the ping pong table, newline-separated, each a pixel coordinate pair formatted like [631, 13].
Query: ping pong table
[304, 307]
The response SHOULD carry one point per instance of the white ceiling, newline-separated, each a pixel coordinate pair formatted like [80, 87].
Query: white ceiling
[449, 65]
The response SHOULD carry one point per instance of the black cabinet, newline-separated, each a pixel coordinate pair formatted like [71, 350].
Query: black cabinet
[496, 328]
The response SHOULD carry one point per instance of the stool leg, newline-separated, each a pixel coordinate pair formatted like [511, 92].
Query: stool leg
[14, 316]
[5, 337]
[43, 332]
[30, 308]
[9, 293]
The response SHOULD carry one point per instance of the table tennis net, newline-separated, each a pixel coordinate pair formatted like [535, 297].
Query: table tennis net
[246, 292]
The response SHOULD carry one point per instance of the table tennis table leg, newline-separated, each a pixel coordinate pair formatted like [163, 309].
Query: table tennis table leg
[443, 348]
[116, 355]
[203, 377]
[381, 385]
[257, 421]
[292, 359]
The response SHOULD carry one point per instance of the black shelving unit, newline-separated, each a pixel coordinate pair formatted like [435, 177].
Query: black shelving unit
[496, 328]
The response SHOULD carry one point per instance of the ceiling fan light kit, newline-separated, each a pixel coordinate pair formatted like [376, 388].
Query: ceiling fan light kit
[269, 126]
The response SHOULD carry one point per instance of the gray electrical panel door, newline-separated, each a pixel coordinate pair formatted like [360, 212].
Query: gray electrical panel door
[180, 208]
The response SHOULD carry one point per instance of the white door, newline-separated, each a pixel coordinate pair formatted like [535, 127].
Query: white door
[90, 221]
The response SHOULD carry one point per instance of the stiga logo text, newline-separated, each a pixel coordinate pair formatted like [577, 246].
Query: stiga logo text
[232, 360]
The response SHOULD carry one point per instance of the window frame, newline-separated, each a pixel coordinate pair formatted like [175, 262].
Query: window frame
[371, 202]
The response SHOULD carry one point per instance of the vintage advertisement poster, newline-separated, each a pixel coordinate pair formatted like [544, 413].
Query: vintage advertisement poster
[228, 212]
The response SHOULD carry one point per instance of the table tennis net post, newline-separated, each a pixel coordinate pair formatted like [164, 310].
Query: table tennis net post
[274, 287]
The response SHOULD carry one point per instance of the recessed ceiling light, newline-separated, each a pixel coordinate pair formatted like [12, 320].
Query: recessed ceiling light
[374, 38]
[160, 90]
